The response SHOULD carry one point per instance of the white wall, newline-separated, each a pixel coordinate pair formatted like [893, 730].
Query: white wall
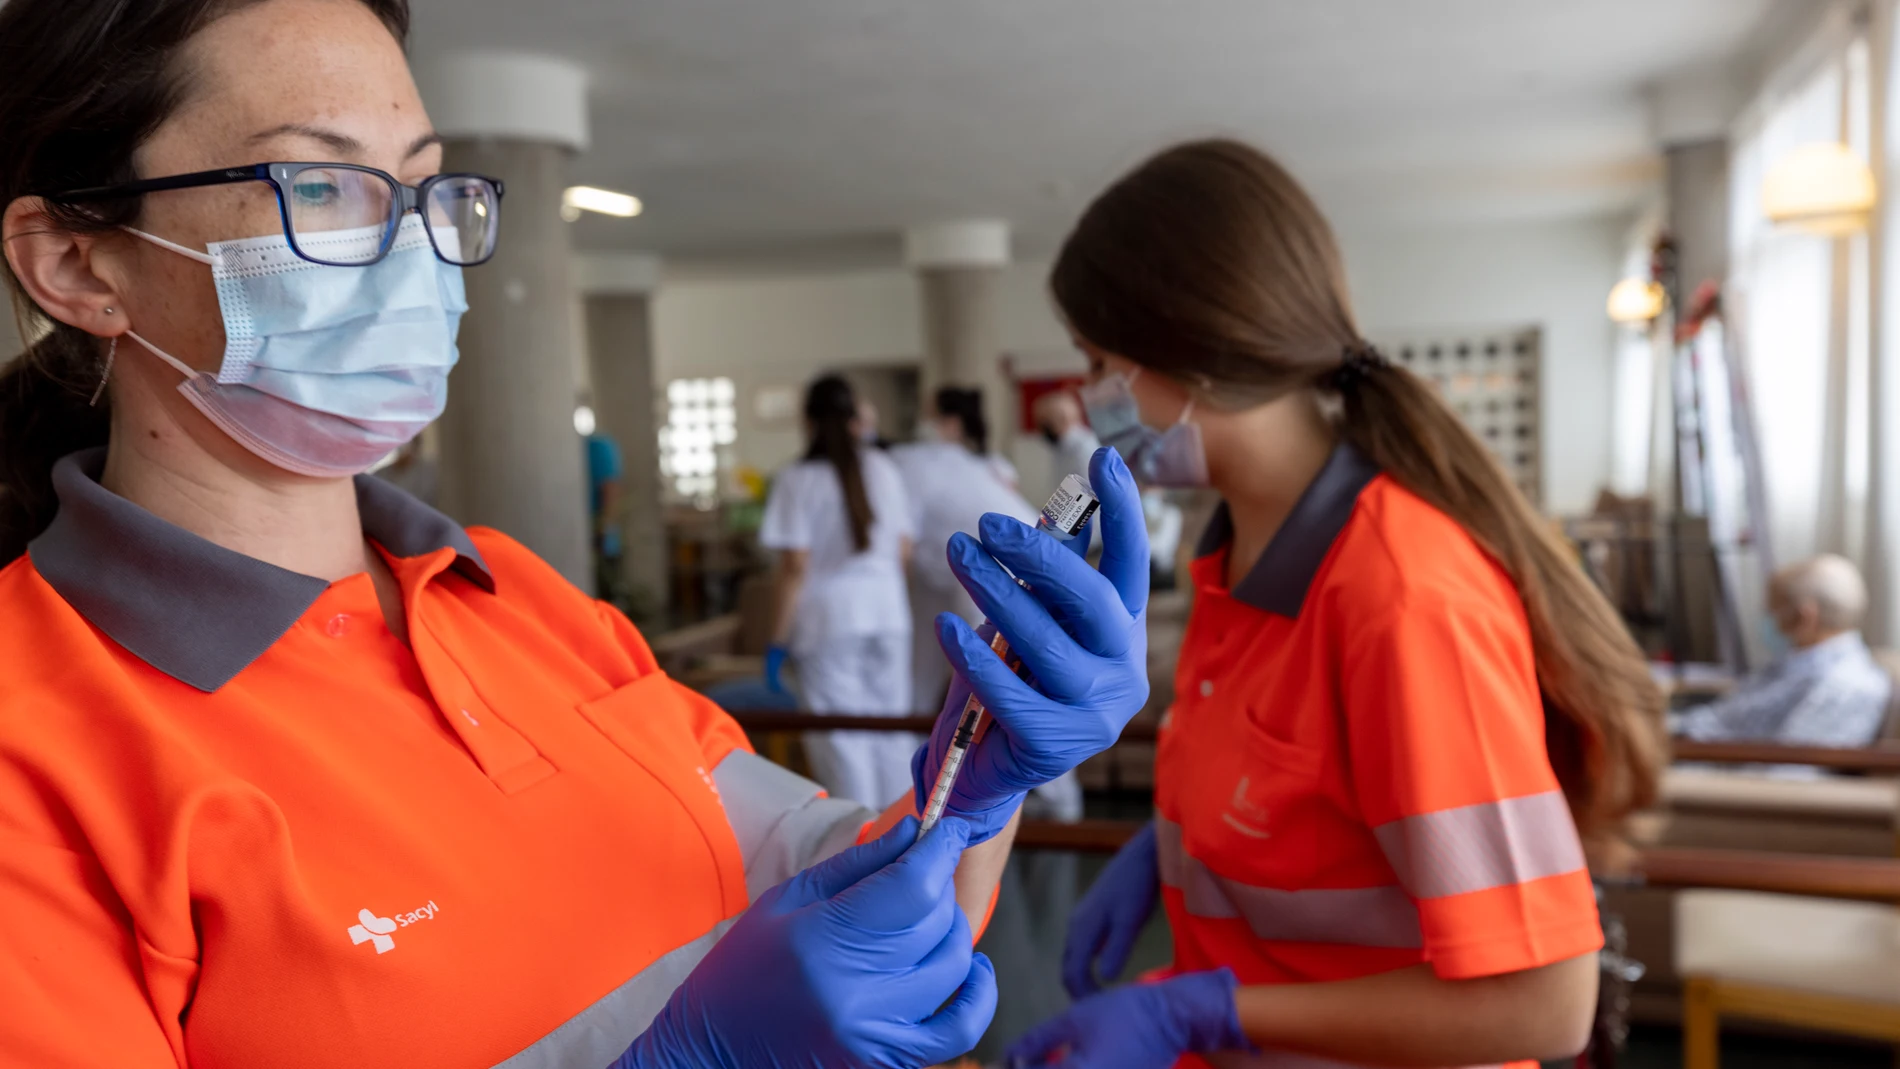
[1554, 275]
[783, 330]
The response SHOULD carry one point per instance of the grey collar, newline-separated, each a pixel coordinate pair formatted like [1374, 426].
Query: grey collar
[196, 611]
[1279, 581]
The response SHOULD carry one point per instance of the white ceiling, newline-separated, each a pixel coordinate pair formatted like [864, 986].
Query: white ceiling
[755, 126]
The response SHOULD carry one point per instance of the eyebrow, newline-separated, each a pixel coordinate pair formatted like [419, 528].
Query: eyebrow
[342, 143]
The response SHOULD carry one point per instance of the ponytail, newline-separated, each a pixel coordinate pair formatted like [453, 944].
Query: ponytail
[44, 415]
[1210, 263]
[1601, 706]
[967, 407]
[830, 408]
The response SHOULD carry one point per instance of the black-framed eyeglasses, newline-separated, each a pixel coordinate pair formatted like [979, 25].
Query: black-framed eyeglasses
[321, 201]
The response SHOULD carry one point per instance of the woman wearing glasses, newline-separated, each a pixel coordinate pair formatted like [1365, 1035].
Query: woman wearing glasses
[296, 771]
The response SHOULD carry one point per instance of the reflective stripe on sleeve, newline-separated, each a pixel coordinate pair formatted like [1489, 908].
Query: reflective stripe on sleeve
[782, 821]
[602, 1032]
[1478, 847]
[1356, 916]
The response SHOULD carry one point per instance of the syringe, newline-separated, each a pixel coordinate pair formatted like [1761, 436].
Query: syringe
[1065, 516]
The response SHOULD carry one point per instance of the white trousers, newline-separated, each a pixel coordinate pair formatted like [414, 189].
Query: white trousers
[862, 675]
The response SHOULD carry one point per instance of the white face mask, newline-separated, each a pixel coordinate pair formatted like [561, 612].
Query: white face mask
[326, 370]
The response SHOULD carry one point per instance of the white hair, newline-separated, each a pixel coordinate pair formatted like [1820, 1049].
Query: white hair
[1832, 585]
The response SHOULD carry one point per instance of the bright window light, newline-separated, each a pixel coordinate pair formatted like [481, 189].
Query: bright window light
[584, 421]
[696, 442]
[604, 201]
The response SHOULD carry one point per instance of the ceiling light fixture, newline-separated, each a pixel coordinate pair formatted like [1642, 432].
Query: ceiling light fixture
[1823, 187]
[1636, 300]
[580, 199]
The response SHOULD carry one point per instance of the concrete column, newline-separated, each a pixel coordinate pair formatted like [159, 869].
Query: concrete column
[959, 267]
[510, 458]
[617, 293]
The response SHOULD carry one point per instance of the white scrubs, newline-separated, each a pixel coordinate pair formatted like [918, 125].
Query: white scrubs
[953, 489]
[851, 626]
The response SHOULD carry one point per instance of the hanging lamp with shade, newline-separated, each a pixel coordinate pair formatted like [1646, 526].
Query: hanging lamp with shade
[1823, 187]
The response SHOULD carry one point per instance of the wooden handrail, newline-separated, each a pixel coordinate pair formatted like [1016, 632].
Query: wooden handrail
[1881, 757]
[1814, 875]
[781, 720]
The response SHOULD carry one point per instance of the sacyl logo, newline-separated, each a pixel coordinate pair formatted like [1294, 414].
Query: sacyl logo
[376, 930]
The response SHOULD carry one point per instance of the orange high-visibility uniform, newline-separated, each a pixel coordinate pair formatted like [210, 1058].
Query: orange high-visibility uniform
[241, 824]
[1352, 778]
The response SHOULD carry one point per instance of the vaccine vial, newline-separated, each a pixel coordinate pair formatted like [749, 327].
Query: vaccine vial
[1069, 509]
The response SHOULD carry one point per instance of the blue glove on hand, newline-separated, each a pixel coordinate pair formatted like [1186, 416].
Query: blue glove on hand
[849, 963]
[775, 667]
[1082, 634]
[1140, 1026]
[1103, 928]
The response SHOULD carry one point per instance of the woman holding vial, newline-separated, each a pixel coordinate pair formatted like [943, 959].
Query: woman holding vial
[1401, 709]
[296, 771]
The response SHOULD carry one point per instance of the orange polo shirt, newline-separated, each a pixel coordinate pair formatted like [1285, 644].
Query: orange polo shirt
[242, 824]
[1352, 778]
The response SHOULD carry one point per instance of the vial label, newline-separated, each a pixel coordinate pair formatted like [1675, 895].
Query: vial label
[1069, 508]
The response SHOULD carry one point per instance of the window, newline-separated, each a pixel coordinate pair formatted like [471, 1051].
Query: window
[695, 445]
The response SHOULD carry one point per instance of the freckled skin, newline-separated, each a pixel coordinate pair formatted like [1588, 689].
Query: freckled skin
[306, 62]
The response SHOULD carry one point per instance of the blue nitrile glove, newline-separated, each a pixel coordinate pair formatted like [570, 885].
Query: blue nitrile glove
[849, 963]
[775, 657]
[1082, 634]
[1139, 1026]
[1103, 928]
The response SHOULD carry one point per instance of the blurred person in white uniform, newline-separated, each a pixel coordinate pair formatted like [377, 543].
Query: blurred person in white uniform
[956, 418]
[843, 526]
[953, 480]
[951, 483]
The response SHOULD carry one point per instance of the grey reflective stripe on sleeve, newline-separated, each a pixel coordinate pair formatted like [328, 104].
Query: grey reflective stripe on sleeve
[781, 820]
[1478, 847]
[602, 1032]
[1355, 916]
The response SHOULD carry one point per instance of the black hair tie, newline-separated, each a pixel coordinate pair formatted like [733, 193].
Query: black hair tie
[1357, 362]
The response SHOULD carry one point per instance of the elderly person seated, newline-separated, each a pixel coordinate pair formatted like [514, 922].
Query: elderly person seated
[1826, 689]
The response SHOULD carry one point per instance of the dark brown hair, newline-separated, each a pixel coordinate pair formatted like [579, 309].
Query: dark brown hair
[967, 406]
[85, 83]
[830, 408]
[1210, 264]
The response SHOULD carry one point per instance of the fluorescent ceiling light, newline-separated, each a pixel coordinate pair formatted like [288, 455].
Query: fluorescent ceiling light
[580, 199]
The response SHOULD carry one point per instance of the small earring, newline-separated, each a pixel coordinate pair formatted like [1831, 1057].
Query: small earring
[111, 311]
[112, 350]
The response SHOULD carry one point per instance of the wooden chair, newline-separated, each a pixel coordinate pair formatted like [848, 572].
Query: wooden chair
[1824, 965]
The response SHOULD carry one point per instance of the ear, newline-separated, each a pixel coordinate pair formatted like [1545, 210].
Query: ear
[55, 267]
[1807, 618]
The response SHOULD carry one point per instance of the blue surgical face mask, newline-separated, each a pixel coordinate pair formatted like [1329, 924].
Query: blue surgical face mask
[327, 370]
[1773, 642]
[1175, 457]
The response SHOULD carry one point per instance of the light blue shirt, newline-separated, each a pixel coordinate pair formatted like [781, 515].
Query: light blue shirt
[1832, 694]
